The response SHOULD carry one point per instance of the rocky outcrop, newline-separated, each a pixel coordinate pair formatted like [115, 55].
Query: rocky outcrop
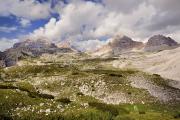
[2, 63]
[160, 42]
[118, 45]
[67, 45]
[30, 48]
[124, 43]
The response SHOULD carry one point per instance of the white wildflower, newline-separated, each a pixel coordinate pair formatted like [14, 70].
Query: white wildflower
[41, 104]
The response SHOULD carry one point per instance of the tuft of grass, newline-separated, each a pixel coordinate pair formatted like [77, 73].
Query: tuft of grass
[87, 114]
[112, 109]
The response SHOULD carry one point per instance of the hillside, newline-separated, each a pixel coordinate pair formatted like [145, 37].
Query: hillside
[166, 63]
[73, 86]
[29, 48]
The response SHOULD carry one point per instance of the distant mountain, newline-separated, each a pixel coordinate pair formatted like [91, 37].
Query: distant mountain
[160, 42]
[118, 45]
[67, 45]
[64, 44]
[30, 48]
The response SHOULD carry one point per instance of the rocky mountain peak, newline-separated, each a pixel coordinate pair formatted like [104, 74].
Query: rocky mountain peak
[119, 44]
[123, 42]
[160, 42]
[31, 48]
[35, 44]
[64, 44]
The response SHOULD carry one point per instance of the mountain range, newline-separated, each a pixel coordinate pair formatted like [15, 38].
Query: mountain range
[124, 44]
[129, 80]
[115, 46]
[29, 48]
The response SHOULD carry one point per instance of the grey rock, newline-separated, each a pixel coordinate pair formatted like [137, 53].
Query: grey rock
[160, 42]
[118, 45]
[2, 62]
[30, 48]
[124, 43]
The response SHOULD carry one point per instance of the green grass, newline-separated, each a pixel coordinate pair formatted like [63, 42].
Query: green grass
[75, 105]
[114, 110]
[22, 72]
[95, 110]
[29, 89]
[87, 114]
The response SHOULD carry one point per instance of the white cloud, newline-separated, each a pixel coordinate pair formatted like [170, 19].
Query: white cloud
[88, 21]
[89, 45]
[175, 35]
[7, 29]
[29, 9]
[24, 22]
[78, 20]
[6, 43]
[123, 6]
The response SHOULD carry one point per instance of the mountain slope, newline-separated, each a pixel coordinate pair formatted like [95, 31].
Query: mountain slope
[166, 63]
[118, 45]
[81, 87]
[30, 48]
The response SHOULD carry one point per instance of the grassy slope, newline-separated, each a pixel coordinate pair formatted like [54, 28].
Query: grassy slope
[21, 98]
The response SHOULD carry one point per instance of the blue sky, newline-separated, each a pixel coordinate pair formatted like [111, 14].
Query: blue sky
[14, 21]
[87, 21]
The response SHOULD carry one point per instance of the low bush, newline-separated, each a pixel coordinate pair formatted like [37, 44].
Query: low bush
[64, 100]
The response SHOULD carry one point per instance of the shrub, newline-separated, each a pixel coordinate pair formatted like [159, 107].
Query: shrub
[156, 75]
[80, 94]
[177, 116]
[64, 100]
[115, 75]
[142, 112]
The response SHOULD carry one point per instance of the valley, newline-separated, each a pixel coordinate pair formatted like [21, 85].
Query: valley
[78, 86]
[89, 60]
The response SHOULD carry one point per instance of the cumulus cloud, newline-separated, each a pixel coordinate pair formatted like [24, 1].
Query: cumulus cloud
[85, 21]
[6, 43]
[88, 45]
[29, 9]
[123, 6]
[78, 20]
[167, 14]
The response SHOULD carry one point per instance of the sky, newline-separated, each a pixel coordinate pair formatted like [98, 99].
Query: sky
[87, 24]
